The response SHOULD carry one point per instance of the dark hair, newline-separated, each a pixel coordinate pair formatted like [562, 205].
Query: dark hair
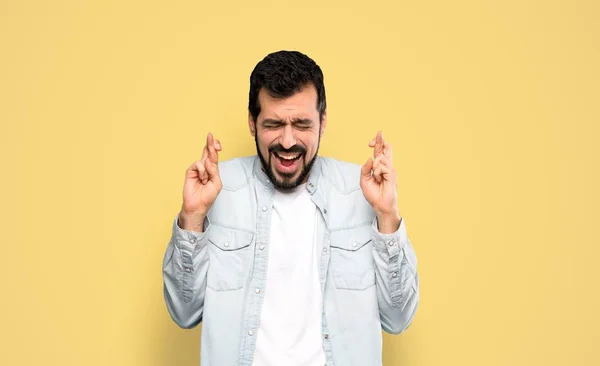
[282, 74]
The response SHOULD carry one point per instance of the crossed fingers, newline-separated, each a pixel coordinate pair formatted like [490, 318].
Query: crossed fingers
[210, 155]
[382, 153]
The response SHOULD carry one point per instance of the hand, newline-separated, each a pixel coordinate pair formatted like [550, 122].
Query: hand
[202, 186]
[378, 183]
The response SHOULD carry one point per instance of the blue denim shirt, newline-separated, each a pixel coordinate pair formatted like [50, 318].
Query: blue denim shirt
[368, 279]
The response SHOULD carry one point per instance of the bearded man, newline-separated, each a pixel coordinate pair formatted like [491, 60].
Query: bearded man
[288, 258]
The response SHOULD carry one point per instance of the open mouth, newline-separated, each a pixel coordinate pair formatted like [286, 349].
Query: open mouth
[287, 159]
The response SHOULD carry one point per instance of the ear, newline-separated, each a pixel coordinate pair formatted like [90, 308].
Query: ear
[251, 125]
[323, 124]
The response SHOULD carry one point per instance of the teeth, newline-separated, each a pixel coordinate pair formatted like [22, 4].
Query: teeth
[288, 157]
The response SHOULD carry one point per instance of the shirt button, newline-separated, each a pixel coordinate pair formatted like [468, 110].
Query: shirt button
[354, 244]
[226, 244]
[250, 332]
[192, 240]
[324, 250]
[261, 247]
[391, 243]
[264, 208]
[325, 211]
[188, 270]
[257, 290]
[326, 336]
[394, 274]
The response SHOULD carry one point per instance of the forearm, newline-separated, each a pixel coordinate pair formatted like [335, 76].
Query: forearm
[185, 267]
[396, 276]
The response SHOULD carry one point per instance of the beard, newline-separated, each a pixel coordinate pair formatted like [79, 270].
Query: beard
[287, 182]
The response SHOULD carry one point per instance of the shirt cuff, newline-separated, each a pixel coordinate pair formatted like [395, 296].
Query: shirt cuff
[391, 243]
[190, 240]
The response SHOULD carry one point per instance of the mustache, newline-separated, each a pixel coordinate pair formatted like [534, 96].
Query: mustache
[277, 148]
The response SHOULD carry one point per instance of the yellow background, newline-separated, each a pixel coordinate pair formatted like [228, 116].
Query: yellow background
[492, 108]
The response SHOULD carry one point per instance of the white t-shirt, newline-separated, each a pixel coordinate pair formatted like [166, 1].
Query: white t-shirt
[290, 324]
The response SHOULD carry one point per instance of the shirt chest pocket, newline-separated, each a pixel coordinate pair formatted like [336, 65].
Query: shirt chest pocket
[229, 258]
[352, 263]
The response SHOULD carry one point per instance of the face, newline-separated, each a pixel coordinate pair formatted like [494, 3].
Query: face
[287, 134]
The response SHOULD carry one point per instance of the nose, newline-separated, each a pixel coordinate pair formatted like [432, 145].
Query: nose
[287, 138]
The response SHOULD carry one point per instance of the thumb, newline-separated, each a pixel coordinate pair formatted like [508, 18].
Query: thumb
[365, 171]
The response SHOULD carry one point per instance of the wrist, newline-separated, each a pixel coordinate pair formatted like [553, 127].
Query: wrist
[193, 221]
[388, 223]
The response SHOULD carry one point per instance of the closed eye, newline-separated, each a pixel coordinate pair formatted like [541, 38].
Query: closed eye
[272, 124]
[302, 124]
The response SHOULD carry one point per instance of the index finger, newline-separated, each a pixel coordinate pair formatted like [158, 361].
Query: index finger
[387, 150]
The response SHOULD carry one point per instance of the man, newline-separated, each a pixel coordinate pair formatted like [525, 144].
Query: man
[286, 257]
